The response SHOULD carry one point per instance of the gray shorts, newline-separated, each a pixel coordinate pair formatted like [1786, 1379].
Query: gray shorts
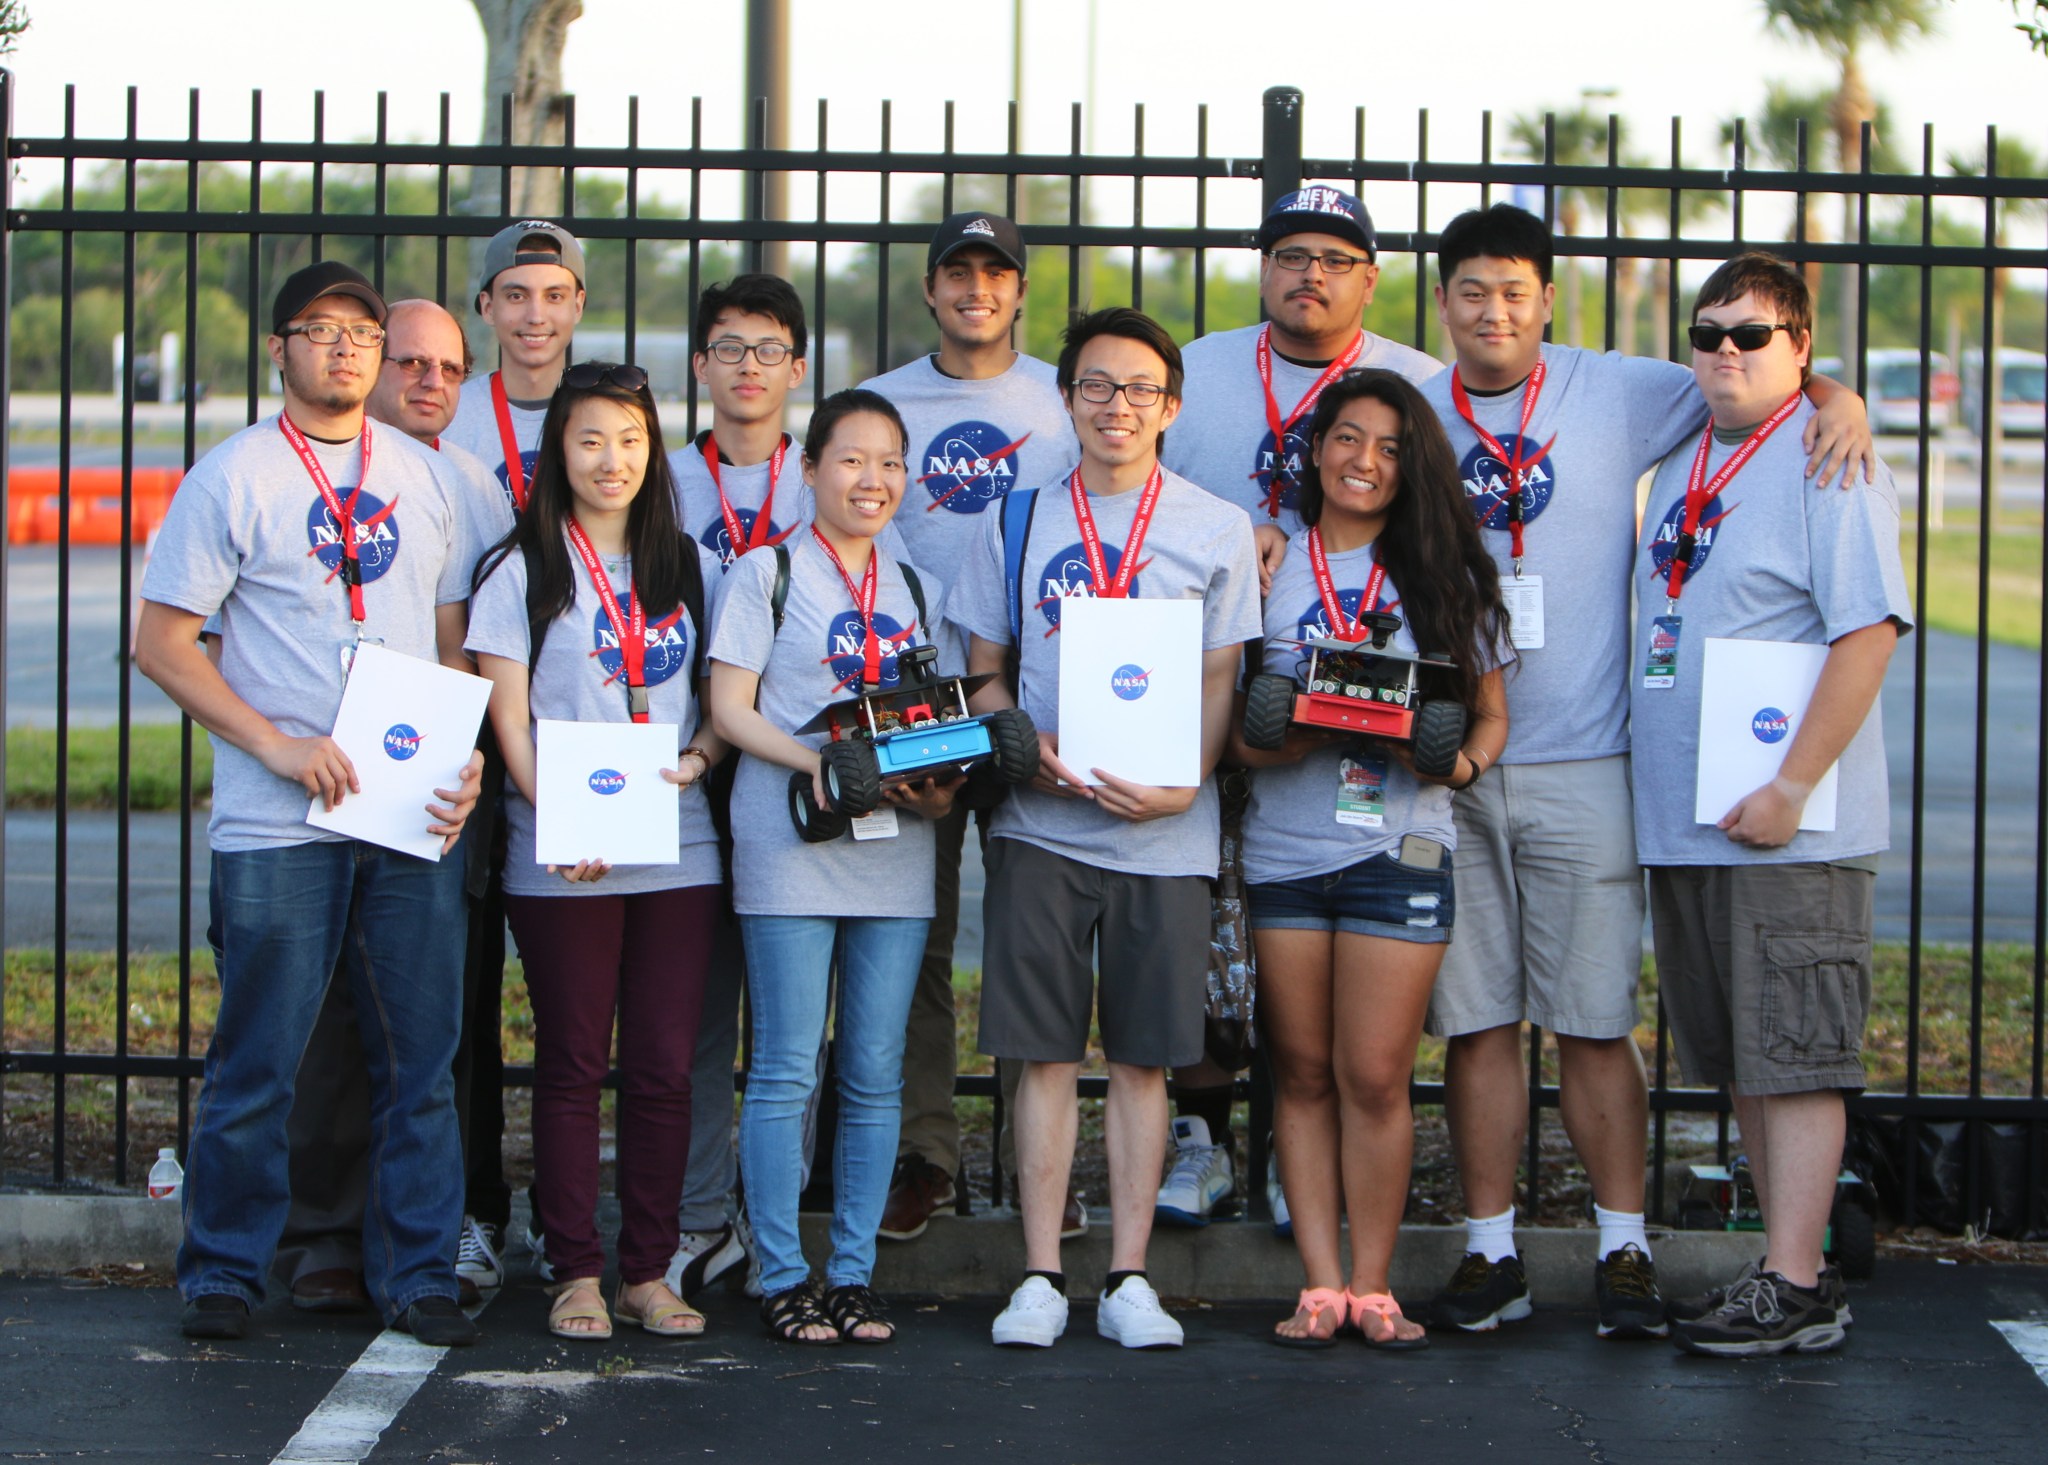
[1765, 972]
[1046, 918]
[1550, 903]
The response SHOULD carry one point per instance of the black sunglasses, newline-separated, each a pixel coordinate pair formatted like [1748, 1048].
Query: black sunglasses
[590, 374]
[1746, 338]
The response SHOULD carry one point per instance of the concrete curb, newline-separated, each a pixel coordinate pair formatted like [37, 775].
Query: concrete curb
[974, 1256]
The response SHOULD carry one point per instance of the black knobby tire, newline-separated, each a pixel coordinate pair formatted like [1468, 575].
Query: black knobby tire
[1268, 709]
[853, 777]
[1439, 734]
[1855, 1238]
[813, 824]
[1016, 744]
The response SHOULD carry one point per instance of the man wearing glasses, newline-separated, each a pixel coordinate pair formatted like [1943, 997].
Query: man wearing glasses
[309, 534]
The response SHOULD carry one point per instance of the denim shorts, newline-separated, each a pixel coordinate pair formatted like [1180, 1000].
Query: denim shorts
[1378, 896]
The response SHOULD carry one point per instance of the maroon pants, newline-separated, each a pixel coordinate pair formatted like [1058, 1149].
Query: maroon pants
[588, 959]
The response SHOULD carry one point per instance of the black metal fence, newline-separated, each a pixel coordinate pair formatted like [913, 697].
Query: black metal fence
[209, 220]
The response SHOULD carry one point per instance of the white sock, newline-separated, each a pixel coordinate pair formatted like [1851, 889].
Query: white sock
[1619, 1229]
[1493, 1237]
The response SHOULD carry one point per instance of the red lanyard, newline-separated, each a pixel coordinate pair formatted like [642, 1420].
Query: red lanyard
[349, 566]
[508, 440]
[1341, 627]
[742, 542]
[863, 606]
[1099, 579]
[1517, 464]
[632, 633]
[1699, 492]
[1277, 481]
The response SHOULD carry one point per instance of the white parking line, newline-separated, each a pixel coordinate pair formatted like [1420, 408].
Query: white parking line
[2030, 1341]
[347, 1424]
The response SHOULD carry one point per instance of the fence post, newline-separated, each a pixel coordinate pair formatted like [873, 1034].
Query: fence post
[6, 415]
[1280, 152]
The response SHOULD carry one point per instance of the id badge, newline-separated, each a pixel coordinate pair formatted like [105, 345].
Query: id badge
[879, 825]
[1660, 658]
[1362, 791]
[1523, 597]
[348, 653]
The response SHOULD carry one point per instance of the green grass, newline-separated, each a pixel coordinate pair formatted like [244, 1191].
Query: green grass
[153, 766]
[2015, 599]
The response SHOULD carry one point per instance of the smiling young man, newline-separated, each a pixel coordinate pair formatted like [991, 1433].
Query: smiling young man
[983, 417]
[1117, 873]
[1762, 919]
[1551, 442]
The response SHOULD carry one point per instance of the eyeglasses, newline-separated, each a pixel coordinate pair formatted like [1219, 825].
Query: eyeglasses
[1097, 390]
[1299, 260]
[1746, 338]
[327, 332]
[418, 366]
[598, 373]
[768, 353]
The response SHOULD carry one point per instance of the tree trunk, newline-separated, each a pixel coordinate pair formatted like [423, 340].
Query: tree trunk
[1574, 295]
[1853, 107]
[523, 41]
[1628, 297]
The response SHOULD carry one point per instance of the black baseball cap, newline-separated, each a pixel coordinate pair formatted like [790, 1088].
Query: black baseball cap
[990, 231]
[1320, 210]
[506, 251]
[329, 277]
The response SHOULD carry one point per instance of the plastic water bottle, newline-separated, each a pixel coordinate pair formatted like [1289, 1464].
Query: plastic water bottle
[166, 1176]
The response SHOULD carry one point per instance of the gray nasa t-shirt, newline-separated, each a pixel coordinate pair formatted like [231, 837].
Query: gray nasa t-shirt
[487, 514]
[1609, 419]
[474, 428]
[249, 538]
[1780, 560]
[570, 684]
[804, 669]
[970, 443]
[746, 490]
[1198, 548]
[1221, 441]
[1339, 805]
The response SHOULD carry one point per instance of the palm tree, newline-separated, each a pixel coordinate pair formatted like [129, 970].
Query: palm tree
[1773, 137]
[1579, 139]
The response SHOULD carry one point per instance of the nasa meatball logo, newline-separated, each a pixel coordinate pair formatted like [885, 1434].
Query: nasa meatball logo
[528, 461]
[969, 466]
[1290, 462]
[400, 742]
[1065, 576]
[607, 781]
[668, 645]
[846, 643]
[719, 542]
[1770, 725]
[1130, 682]
[376, 534]
[1488, 485]
[1664, 544]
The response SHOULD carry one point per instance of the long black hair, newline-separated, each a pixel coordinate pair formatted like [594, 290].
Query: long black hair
[1449, 584]
[663, 558]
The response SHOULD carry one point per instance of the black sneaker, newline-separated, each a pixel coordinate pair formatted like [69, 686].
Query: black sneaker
[1625, 1282]
[1763, 1315]
[1836, 1290]
[216, 1317]
[437, 1322]
[1692, 1309]
[1482, 1295]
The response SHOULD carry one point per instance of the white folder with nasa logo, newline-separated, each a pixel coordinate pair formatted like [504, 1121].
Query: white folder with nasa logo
[408, 726]
[1753, 698]
[601, 793]
[1131, 689]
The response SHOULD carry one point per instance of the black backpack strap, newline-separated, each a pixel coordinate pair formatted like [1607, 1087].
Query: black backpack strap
[916, 588]
[537, 620]
[778, 598]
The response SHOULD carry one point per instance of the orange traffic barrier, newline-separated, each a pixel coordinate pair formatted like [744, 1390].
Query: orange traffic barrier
[34, 506]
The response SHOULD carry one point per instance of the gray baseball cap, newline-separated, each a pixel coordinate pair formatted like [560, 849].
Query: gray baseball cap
[508, 249]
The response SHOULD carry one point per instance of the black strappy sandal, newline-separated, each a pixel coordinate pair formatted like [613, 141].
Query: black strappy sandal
[856, 1306]
[788, 1312]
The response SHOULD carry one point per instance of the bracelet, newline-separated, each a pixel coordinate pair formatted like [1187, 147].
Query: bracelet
[1478, 768]
[701, 754]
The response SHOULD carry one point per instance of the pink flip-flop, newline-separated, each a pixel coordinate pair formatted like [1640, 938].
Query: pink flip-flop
[1383, 1304]
[1315, 1301]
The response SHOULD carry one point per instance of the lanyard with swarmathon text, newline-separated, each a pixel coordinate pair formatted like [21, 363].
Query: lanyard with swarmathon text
[1518, 467]
[1342, 627]
[863, 606]
[759, 537]
[508, 442]
[632, 632]
[349, 566]
[1100, 581]
[1700, 491]
[1276, 482]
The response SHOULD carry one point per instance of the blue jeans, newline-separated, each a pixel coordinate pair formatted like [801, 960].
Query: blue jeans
[281, 920]
[789, 965]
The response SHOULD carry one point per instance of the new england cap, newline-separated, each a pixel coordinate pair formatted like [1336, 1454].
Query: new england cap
[504, 252]
[1320, 211]
[990, 231]
[329, 277]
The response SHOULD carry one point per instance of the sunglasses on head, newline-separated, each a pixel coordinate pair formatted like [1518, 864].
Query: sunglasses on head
[597, 373]
[1746, 338]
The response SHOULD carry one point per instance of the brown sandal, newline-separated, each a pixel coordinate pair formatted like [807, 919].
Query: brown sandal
[665, 1316]
[578, 1300]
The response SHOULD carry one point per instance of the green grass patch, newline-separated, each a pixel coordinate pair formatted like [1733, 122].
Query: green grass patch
[94, 771]
[2015, 598]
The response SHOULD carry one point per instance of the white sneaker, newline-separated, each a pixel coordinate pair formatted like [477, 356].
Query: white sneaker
[1132, 1316]
[1035, 1318]
[538, 1245]
[702, 1258]
[743, 1232]
[1276, 1198]
[475, 1256]
[1200, 1177]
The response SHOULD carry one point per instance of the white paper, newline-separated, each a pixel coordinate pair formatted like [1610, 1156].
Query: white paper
[601, 795]
[1131, 690]
[408, 726]
[1523, 597]
[1753, 698]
